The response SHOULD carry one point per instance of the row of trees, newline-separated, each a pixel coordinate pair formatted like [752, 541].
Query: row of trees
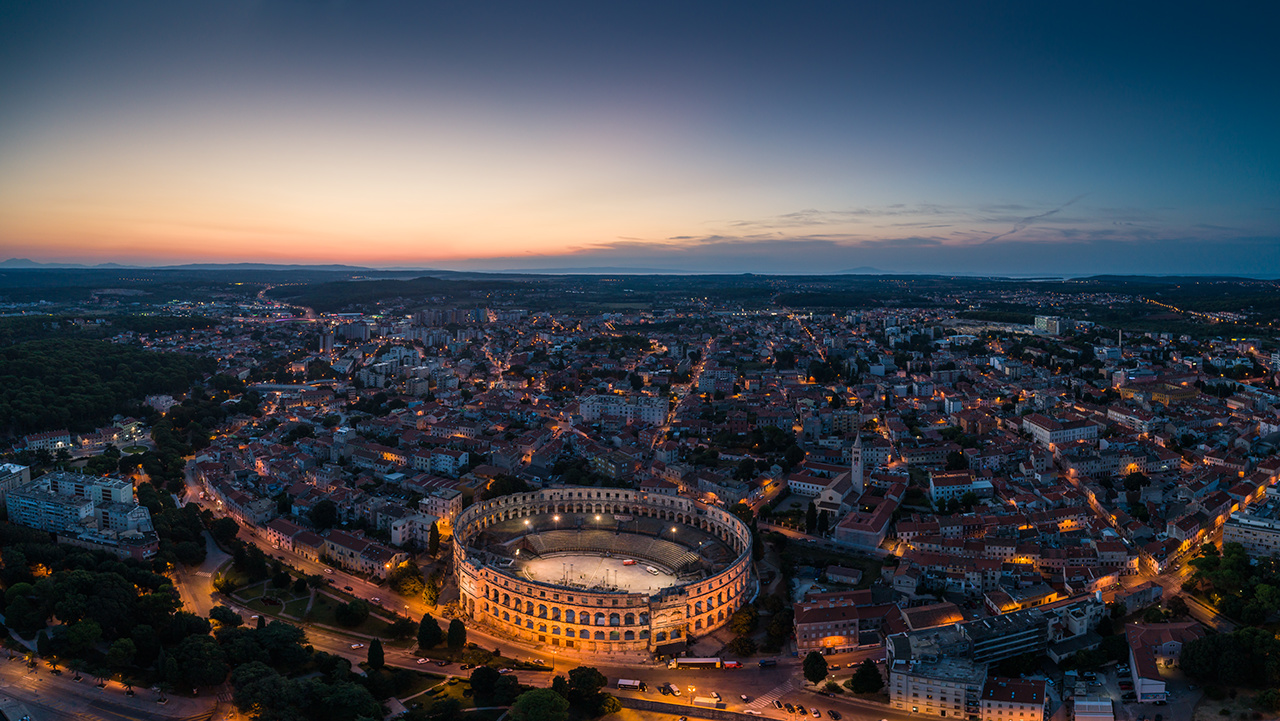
[80, 384]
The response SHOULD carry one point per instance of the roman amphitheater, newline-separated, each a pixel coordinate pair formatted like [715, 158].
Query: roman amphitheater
[601, 570]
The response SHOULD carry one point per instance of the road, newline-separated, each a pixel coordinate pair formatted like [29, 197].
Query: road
[54, 697]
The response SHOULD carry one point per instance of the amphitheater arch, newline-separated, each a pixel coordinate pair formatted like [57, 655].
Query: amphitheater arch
[584, 633]
[569, 616]
[542, 611]
[629, 636]
[629, 619]
[599, 620]
[599, 635]
[555, 614]
[615, 619]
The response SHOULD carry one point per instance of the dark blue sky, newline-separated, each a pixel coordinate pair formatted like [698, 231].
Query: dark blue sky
[926, 137]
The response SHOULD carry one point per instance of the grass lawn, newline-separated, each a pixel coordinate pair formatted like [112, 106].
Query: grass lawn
[296, 607]
[322, 612]
[1240, 707]
[454, 690]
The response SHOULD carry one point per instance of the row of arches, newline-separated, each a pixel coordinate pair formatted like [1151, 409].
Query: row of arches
[713, 520]
[568, 615]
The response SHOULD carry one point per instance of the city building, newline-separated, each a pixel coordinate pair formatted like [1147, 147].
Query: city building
[1013, 699]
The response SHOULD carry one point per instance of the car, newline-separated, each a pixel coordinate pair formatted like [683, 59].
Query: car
[684, 718]
[790, 708]
[1050, 682]
[375, 599]
[504, 670]
[835, 715]
[851, 664]
[442, 663]
[1129, 696]
[328, 570]
[664, 690]
[751, 711]
[422, 660]
[346, 588]
[357, 645]
[744, 698]
[675, 690]
[1161, 702]
[716, 695]
[777, 704]
[467, 666]
[816, 713]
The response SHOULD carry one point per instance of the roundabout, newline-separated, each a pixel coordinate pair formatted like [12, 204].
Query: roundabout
[601, 570]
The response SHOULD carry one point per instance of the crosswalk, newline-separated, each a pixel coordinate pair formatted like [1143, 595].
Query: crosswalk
[206, 574]
[767, 699]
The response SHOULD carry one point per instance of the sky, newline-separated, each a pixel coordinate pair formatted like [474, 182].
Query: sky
[800, 137]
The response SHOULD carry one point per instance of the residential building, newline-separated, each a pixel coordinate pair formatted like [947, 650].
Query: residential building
[1013, 699]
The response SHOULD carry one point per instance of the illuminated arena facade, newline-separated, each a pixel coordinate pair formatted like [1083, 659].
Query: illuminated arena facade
[691, 570]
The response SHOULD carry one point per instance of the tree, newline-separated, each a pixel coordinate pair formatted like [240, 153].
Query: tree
[457, 635]
[200, 662]
[431, 591]
[352, 613]
[224, 530]
[483, 681]
[225, 617]
[815, 667]
[376, 658]
[324, 515]
[867, 678]
[743, 646]
[121, 653]
[586, 695]
[81, 636]
[811, 518]
[429, 633]
[746, 470]
[1178, 606]
[433, 539]
[793, 455]
[540, 704]
[406, 579]
[1135, 481]
[1153, 615]
[744, 621]
[956, 461]
[824, 521]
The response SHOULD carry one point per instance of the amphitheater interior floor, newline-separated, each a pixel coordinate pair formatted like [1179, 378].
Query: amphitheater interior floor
[596, 572]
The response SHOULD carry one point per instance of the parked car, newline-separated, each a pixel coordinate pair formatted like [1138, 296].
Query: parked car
[504, 670]
[357, 645]
[835, 715]
[375, 599]
[777, 704]
[346, 588]
[790, 708]
[816, 712]
[1130, 696]
[716, 695]
[422, 660]
[467, 666]
[744, 698]
[328, 570]
[442, 663]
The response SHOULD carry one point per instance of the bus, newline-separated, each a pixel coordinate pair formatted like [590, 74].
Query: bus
[630, 684]
[685, 662]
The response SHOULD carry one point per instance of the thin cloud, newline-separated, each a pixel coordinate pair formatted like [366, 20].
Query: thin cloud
[1027, 221]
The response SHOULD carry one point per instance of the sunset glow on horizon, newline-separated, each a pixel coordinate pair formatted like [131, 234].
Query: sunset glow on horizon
[510, 137]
